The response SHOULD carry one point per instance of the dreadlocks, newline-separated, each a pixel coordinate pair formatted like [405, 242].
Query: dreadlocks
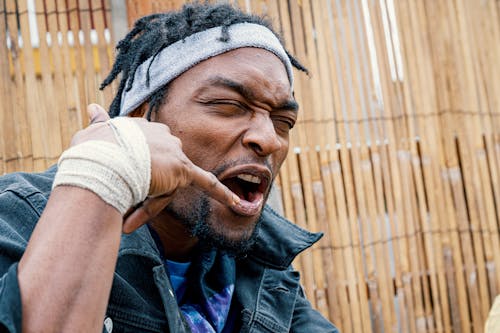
[153, 33]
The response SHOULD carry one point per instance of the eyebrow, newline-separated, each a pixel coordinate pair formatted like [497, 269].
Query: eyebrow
[219, 81]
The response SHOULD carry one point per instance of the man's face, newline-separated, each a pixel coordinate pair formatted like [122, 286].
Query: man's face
[232, 113]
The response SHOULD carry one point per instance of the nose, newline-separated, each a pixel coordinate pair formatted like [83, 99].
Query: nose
[261, 136]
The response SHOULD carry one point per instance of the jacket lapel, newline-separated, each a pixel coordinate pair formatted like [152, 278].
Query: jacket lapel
[266, 285]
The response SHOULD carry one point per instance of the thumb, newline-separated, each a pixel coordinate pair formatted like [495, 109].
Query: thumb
[148, 209]
[97, 114]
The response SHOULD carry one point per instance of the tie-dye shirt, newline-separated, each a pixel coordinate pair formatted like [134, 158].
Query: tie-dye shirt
[211, 314]
[204, 289]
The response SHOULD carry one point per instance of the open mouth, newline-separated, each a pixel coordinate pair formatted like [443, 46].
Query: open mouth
[250, 186]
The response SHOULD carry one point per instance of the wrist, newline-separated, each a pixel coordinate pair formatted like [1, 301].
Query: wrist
[119, 174]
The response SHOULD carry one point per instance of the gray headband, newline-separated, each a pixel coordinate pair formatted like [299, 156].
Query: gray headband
[178, 57]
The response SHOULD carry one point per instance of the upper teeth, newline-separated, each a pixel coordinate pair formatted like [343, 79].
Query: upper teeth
[249, 178]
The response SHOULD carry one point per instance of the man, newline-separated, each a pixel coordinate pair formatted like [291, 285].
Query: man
[199, 250]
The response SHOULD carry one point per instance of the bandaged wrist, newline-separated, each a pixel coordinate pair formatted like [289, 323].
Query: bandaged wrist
[120, 174]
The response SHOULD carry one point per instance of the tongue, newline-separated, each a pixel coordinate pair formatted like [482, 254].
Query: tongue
[252, 196]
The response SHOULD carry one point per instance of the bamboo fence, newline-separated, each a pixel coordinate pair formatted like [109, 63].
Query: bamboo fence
[395, 156]
[53, 56]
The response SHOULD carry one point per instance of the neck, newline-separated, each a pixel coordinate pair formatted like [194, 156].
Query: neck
[177, 241]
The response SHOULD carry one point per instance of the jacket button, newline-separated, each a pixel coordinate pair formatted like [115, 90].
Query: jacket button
[108, 325]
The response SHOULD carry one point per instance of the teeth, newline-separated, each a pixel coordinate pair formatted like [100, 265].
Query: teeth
[249, 178]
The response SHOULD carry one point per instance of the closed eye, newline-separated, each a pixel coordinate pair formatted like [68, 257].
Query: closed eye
[226, 107]
[284, 123]
[289, 123]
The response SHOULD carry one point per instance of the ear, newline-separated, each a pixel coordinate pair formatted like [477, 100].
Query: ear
[141, 111]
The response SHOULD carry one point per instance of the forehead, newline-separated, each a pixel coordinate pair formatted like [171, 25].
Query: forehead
[255, 68]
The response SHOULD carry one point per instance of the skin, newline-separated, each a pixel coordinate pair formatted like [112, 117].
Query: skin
[65, 277]
[254, 135]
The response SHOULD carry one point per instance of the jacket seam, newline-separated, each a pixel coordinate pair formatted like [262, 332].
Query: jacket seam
[132, 318]
[257, 300]
[26, 199]
[268, 323]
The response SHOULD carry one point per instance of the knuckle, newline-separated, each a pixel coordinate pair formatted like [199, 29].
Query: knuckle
[188, 171]
[77, 138]
[213, 180]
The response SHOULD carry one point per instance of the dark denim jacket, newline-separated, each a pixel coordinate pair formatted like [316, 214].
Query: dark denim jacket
[267, 290]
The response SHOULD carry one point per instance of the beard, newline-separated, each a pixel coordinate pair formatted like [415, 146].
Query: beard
[197, 216]
[197, 220]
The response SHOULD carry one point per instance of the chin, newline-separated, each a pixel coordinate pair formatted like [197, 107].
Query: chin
[235, 238]
[215, 225]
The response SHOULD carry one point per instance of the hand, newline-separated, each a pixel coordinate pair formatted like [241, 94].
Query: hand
[170, 167]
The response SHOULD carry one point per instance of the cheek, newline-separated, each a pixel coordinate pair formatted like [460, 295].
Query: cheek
[205, 147]
[280, 156]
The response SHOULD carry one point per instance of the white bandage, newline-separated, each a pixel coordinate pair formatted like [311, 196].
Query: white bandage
[119, 174]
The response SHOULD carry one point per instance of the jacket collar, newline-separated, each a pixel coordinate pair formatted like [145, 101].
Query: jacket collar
[277, 244]
[279, 241]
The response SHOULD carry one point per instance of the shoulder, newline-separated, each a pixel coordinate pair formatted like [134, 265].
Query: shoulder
[23, 197]
[31, 188]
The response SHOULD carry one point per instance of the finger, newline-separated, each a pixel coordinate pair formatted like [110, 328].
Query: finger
[145, 212]
[208, 182]
[97, 114]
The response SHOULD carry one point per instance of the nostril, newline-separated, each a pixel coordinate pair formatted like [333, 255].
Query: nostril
[262, 139]
[255, 147]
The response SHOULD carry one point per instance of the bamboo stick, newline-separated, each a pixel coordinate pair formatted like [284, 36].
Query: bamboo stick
[4, 84]
[20, 104]
[69, 114]
[9, 124]
[137, 9]
[101, 61]
[85, 28]
[35, 119]
[49, 110]
[79, 63]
